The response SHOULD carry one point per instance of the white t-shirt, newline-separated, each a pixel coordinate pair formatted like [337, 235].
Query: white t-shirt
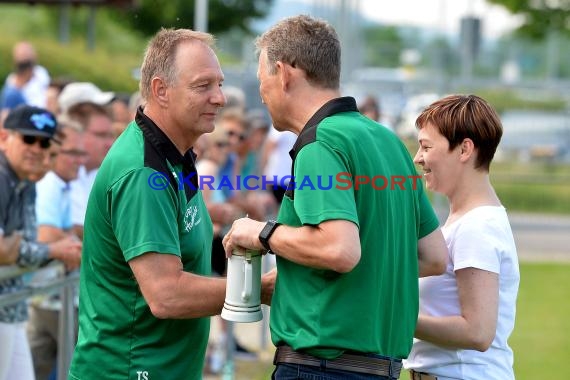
[53, 202]
[53, 208]
[279, 162]
[80, 189]
[35, 90]
[482, 239]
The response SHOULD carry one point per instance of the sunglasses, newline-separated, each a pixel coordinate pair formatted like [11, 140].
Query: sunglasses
[45, 142]
[240, 136]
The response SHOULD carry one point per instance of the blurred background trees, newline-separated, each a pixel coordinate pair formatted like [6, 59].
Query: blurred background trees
[147, 16]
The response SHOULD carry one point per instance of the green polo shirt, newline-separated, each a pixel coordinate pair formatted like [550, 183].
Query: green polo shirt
[374, 307]
[136, 206]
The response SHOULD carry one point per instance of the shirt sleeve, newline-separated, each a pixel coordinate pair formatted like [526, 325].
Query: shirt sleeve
[316, 169]
[4, 201]
[31, 252]
[477, 245]
[11, 99]
[48, 204]
[78, 203]
[144, 219]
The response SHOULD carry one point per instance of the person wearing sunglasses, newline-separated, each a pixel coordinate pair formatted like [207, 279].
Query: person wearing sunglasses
[24, 145]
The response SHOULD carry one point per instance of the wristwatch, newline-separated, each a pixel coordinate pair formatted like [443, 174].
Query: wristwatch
[266, 233]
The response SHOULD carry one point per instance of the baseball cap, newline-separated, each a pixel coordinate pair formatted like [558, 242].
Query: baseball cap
[83, 92]
[31, 121]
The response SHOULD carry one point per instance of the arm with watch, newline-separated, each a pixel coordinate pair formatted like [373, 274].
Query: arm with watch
[332, 244]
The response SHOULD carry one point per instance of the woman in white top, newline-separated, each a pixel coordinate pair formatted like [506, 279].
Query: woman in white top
[468, 313]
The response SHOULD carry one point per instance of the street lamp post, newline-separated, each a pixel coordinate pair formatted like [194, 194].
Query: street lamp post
[201, 15]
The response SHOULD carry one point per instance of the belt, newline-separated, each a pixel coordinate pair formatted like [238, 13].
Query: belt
[421, 376]
[346, 362]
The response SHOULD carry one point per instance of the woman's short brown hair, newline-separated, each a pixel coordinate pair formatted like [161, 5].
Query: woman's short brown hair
[458, 117]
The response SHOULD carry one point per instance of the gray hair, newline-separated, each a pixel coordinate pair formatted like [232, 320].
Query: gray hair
[307, 43]
[160, 56]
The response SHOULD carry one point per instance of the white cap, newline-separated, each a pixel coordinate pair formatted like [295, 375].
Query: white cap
[82, 92]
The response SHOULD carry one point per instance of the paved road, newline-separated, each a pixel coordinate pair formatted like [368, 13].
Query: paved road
[541, 237]
[538, 237]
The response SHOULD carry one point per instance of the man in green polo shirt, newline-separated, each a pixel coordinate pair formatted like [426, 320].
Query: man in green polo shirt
[355, 229]
[145, 294]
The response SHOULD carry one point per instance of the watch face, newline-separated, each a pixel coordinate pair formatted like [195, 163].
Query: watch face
[265, 233]
[267, 229]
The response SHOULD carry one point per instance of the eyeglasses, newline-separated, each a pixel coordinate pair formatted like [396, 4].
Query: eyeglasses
[240, 136]
[45, 142]
[103, 135]
[73, 152]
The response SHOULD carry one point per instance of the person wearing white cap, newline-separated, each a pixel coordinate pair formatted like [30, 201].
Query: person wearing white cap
[83, 92]
[87, 104]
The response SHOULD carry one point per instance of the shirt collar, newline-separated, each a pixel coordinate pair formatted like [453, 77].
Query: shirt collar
[334, 106]
[63, 185]
[161, 142]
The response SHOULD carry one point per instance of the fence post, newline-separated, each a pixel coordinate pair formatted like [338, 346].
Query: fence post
[66, 333]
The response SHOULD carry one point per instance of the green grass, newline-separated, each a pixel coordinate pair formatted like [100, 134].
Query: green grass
[117, 50]
[504, 99]
[541, 335]
[536, 187]
[533, 187]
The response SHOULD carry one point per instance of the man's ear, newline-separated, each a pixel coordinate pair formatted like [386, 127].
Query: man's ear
[159, 90]
[4, 134]
[284, 73]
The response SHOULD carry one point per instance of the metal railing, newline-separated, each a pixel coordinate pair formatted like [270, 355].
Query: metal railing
[67, 314]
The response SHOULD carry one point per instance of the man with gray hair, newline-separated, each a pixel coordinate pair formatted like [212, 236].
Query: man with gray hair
[348, 253]
[145, 292]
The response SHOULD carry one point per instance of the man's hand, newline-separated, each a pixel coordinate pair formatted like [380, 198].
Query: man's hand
[267, 286]
[67, 250]
[244, 234]
[9, 248]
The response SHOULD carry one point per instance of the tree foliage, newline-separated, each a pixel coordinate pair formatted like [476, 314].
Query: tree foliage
[541, 17]
[223, 15]
[383, 45]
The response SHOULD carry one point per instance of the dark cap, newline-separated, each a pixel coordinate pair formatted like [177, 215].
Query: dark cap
[31, 121]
